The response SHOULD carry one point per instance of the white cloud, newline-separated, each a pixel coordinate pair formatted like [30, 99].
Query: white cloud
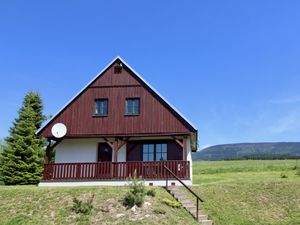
[289, 122]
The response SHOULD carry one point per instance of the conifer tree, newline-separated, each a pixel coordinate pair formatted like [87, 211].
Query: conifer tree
[22, 156]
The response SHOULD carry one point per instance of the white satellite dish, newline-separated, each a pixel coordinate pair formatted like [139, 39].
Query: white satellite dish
[59, 130]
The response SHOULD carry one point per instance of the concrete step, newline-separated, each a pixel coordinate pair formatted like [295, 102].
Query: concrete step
[189, 205]
[206, 222]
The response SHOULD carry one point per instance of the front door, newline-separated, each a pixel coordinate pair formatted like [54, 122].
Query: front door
[104, 166]
[104, 152]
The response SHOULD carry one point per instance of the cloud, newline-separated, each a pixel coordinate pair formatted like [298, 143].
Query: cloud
[289, 122]
[204, 146]
[293, 99]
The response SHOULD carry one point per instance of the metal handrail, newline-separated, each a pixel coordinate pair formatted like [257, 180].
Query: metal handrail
[190, 190]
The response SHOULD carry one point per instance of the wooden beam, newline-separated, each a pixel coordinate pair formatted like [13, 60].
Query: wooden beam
[121, 143]
[109, 143]
[115, 149]
[185, 149]
[179, 142]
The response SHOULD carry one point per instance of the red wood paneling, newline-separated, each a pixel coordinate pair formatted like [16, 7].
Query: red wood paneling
[115, 170]
[155, 116]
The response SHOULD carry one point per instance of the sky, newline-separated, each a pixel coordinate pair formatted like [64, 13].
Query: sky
[231, 67]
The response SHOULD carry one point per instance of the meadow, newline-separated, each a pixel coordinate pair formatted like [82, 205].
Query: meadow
[250, 192]
[235, 193]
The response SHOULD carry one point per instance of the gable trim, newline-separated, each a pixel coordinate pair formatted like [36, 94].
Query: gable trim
[99, 75]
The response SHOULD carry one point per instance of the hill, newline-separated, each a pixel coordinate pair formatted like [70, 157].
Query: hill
[279, 150]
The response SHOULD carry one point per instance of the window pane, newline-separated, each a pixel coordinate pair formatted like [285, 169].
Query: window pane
[164, 156]
[151, 148]
[151, 157]
[158, 156]
[158, 148]
[105, 106]
[132, 106]
[101, 106]
[145, 157]
[145, 148]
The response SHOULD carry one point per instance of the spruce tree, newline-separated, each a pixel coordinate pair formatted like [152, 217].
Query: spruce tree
[22, 156]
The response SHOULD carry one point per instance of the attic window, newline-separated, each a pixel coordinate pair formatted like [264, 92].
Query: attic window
[118, 69]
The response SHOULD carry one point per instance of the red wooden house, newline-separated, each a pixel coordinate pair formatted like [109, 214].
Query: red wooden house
[115, 127]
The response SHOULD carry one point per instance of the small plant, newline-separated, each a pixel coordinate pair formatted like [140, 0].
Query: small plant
[172, 203]
[282, 175]
[294, 167]
[136, 194]
[83, 207]
[151, 192]
[159, 211]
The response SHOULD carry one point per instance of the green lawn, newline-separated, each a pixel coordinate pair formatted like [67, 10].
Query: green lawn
[249, 192]
[235, 192]
[36, 205]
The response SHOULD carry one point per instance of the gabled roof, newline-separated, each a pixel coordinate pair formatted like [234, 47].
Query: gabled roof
[118, 58]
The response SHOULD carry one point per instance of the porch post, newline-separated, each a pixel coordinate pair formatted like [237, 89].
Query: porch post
[115, 148]
[185, 153]
[48, 153]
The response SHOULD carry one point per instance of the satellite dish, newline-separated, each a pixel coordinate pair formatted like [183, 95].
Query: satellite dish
[59, 130]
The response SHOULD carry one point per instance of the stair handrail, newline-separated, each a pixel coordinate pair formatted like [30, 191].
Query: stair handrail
[190, 190]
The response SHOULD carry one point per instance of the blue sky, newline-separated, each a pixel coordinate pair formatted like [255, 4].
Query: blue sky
[231, 67]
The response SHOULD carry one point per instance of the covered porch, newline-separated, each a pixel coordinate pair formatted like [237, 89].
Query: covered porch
[147, 170]
[117, 159]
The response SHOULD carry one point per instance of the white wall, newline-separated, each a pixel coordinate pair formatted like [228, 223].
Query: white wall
[76, 150]
[189, 157]
[122, 154]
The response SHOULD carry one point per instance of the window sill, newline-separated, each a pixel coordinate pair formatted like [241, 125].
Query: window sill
[95, 115]
[131, 114]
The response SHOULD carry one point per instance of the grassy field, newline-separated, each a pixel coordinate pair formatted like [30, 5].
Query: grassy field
[249, 192]
[235, 192]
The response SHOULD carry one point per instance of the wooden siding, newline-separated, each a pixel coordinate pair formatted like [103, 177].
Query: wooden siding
[155, 118]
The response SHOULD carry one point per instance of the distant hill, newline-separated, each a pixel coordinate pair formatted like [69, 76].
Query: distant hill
[277, 150]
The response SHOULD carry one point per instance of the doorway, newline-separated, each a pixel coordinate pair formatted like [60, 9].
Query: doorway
[104, 152]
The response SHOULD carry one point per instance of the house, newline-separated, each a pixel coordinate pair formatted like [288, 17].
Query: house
[116, 127]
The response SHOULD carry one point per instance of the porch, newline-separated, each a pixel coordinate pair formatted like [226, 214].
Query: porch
[90, 171]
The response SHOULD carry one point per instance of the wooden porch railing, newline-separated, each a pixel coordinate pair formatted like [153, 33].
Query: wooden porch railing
[115, 170]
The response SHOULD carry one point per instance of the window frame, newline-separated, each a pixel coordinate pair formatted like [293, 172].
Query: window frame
[155, 151]
[96, 107]
[133, 107]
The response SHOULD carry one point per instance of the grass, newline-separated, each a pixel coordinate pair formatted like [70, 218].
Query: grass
[34, 205]
[249, 192]
[235, 193]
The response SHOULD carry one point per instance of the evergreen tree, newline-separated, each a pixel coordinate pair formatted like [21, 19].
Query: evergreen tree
[22, 156]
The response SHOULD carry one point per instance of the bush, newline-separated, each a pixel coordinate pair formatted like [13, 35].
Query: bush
[159, 211]
[136, 194]
[172, 203]
[83, 207]
[151, 192]
[282, 175]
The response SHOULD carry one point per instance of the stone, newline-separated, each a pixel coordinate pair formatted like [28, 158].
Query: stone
[120, 215]
[134, 208]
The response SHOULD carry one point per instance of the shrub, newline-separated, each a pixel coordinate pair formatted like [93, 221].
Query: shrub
[136, 193]
[151, 192]
[172, 203]
[282, 175]
[83, 207]
[159, 211]
[129, 199]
